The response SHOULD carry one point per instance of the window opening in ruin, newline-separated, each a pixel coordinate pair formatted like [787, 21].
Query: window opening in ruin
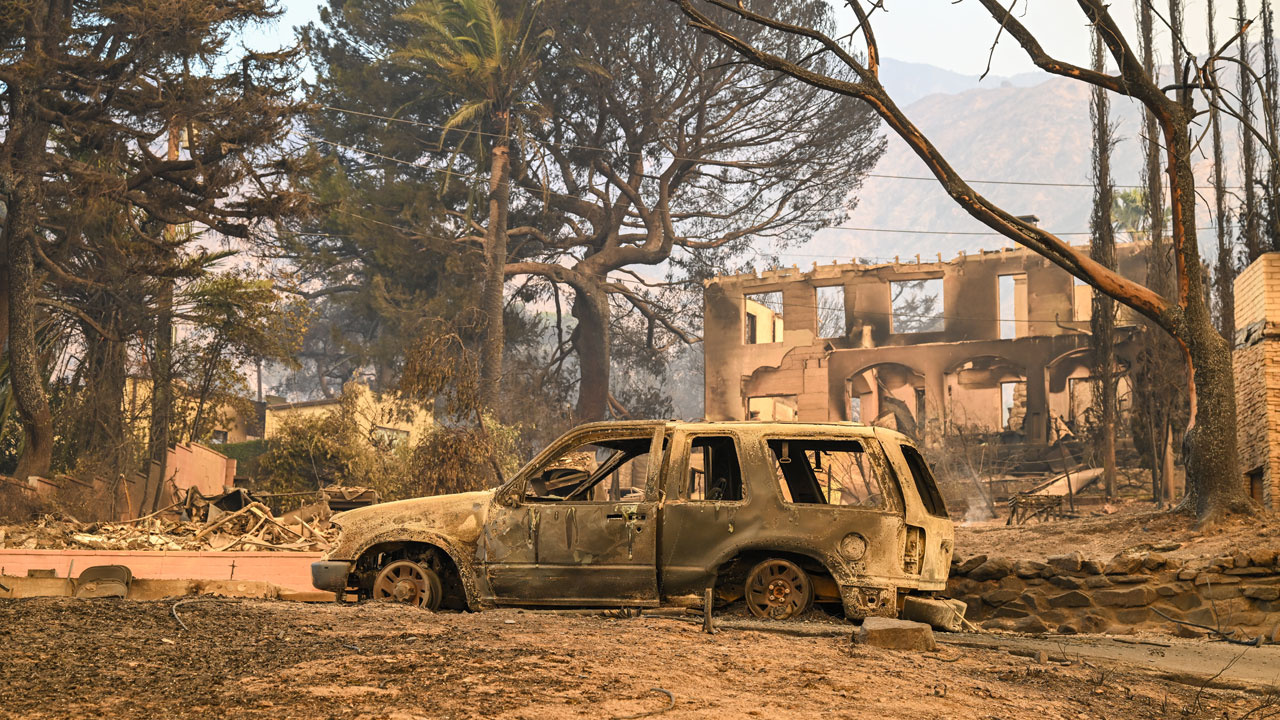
[1013, 405]
[1081, 300]
[714, 474]
[855, 408]
[578, 474]
[831, 322]
[926, 486]
[780, 408]
[763, 318]
[1013, 305]
[1080, 400]
[917, 306]
[826, 472]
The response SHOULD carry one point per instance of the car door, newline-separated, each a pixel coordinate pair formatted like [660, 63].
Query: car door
[581, 528]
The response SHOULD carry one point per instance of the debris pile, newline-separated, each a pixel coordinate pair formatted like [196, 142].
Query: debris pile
[235, 521]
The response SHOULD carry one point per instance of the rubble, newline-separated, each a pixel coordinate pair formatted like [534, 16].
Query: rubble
[232, 522]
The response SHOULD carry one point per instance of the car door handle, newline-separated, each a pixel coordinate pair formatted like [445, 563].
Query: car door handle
[622, 516]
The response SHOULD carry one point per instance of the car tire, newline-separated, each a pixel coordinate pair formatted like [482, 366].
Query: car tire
[777, 589]
[408, 582]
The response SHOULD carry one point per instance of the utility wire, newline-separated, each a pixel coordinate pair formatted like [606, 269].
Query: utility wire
[572, 146]
[313, 138]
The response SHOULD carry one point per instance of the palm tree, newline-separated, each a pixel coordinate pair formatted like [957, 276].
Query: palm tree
[487, 61]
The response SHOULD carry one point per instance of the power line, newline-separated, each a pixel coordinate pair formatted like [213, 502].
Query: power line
[314, 138]
[573, 146]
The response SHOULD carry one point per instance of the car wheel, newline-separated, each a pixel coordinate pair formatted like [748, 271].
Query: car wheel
[778, 589]
[405, 581]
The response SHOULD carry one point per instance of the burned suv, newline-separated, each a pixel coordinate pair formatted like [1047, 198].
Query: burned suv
[632, 514]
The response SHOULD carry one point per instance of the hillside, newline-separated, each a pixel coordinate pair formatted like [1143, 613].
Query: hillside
[1006, 130]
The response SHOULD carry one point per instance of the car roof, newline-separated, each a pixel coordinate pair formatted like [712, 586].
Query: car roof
[761, 426]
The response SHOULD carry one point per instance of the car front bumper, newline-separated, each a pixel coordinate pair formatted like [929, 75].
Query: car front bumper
[331, 575]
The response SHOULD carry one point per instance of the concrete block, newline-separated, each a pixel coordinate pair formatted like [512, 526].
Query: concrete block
[892, 634]
[25, 587]
[938, 613]
[148, 589]
[238, 588]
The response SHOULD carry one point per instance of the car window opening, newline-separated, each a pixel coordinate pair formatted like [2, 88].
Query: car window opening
[926, 487]
[713, 473]
[614, 470]
[826, 472]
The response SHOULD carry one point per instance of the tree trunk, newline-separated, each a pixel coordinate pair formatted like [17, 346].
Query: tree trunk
[4, 300]
[1102, 319]
[161, 391]
[1224, 267]
[25, 374]
[495, 251]
[1248, 157]
[1215, 486]
[591, 343]
[100, 437]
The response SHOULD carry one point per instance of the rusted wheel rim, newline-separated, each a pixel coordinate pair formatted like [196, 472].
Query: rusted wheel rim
[777, 590]
[408, 582]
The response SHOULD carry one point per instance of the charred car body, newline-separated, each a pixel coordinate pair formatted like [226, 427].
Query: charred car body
[632, 514]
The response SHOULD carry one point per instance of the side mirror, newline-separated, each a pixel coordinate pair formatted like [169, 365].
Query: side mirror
[506, 495]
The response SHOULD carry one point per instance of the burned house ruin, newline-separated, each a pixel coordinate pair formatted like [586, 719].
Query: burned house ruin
[995, 342]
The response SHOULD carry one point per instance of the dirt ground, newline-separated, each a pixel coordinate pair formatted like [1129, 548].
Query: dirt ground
[1100, 536]
[258, 659]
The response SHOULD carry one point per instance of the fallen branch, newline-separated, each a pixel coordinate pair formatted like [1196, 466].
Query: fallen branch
[1217, 632]
[671, 702]
[174, 608]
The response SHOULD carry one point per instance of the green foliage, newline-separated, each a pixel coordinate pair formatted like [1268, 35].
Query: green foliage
[452, 459]
[236, 319]
[246, 455]
[311, 452]
[478, 54]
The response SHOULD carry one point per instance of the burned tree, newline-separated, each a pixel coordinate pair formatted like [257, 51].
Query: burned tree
[1250, 228]
[89, 92]
[667, 150]
[1214, 481]
[1102, 318]
[1224, 264]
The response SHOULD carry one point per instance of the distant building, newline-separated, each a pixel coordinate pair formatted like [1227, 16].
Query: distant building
[995, 341]
[383, 417]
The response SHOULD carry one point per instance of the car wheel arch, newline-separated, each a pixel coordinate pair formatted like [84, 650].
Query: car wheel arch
[742, 559]
[426, 541]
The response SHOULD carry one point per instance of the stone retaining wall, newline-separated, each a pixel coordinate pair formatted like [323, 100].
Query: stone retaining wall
[1073, 594]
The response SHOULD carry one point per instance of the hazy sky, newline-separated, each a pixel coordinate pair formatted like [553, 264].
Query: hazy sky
[951, 35]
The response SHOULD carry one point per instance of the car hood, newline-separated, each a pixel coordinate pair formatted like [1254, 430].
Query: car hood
[458, 517]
